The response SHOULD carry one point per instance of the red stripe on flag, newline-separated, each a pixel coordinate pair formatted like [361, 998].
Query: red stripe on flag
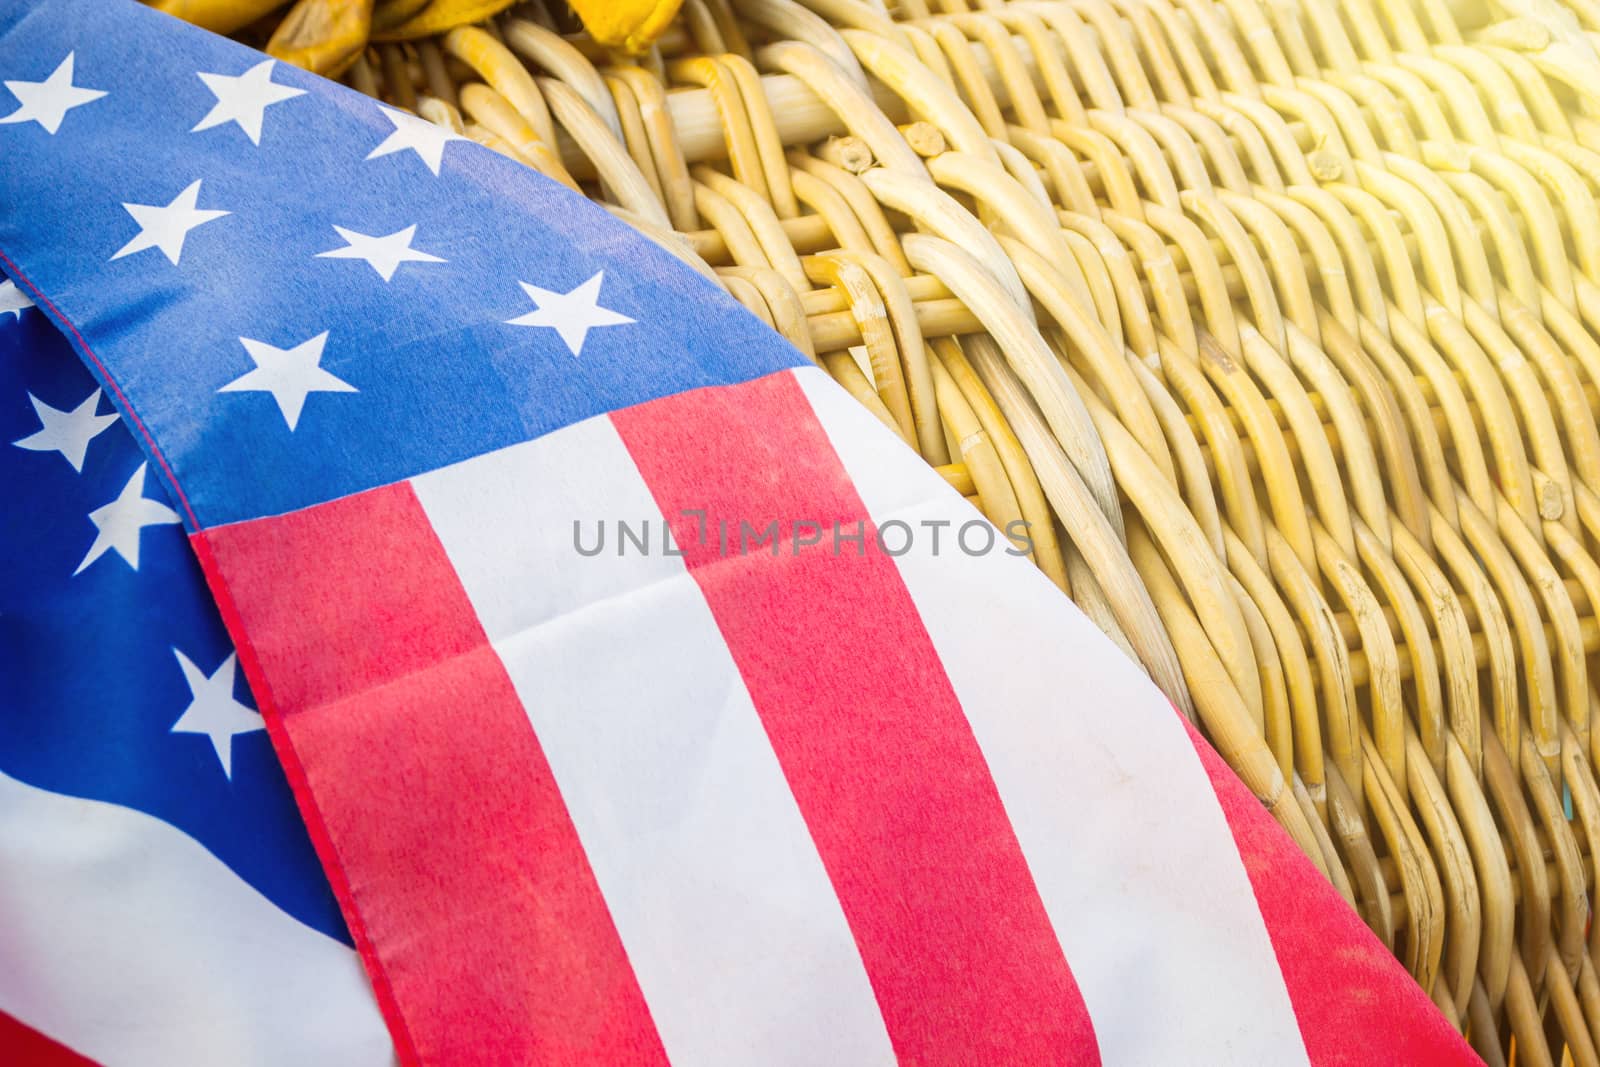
[24, 1046]
[1354, 1002]
[875, 746]
[430, 799]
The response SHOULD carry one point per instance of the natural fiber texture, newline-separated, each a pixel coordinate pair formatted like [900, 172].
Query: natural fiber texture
[1279, 323]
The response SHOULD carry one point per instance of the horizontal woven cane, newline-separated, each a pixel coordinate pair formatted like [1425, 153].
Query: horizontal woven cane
[1279, 324]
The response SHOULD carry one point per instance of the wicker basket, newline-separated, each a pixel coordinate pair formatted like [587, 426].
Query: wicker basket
[1280, 323]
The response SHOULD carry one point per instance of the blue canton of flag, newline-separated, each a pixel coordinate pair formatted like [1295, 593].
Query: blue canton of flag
[143, 816]
[123, 684]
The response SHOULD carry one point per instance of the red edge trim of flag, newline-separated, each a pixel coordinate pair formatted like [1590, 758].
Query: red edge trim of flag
[405, 1046]
[481, 916]
[27, 1047]
[1347, 1002]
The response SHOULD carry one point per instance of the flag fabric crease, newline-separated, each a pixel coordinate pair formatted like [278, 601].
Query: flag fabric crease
[801, 765]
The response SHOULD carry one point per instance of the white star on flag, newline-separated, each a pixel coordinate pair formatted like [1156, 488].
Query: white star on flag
[13, 301]
[166, 227]
[67, 432]
[48, 102]
[212, 709]
[244, 99]
[289, 374]
[571, 314]
[120, 522]
[424, 138]
[383, 254]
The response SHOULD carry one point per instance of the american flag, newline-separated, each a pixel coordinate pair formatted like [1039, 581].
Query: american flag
[819, 801]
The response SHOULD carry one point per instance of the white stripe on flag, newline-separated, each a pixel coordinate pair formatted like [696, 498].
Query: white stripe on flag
[125, 940]
[1132, 856]
[728, 917]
